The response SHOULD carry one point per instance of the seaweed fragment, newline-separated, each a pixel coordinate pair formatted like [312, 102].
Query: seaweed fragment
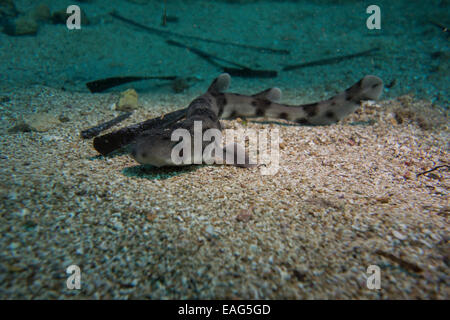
[165, 33]
[95, 131]
[104, 84]
[240, 71]
[403, 263]
[332, 60]
[433, 169]
[115, 140]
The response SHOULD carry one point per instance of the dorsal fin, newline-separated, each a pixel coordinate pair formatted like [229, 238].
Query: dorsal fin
[271, 94]
[220, 84]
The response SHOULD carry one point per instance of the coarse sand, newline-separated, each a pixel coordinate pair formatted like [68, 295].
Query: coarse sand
[346, 196]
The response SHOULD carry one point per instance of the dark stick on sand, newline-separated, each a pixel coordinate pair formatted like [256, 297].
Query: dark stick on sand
[403, 263]
[165, 33]
[327, 61]
[115, 140]
[95, 131]
[240, 71]
[202, 54]
[433, 169]
[104, 84]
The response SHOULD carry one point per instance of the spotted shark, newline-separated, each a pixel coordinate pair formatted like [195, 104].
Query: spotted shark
[155, 146]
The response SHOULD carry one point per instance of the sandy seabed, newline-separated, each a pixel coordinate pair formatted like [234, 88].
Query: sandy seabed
[346, 196]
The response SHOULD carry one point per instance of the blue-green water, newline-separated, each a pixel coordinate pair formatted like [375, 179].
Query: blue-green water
[413, 55]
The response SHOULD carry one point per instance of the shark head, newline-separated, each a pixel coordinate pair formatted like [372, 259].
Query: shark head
[155, 151]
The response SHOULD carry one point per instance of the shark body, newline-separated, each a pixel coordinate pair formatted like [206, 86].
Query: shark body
[155, 146]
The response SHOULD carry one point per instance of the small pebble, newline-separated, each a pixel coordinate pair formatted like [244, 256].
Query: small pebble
[210, 230]
[398, 235]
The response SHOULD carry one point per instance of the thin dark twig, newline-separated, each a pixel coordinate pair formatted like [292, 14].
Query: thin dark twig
[95, 131]
[403, 263]
[433, 169]
[250, 73]
[241, 71]
[332, 60]
[204, 54]
[179, 35]
[104, 84]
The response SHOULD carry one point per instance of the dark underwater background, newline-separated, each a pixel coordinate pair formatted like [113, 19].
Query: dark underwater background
[328, 39]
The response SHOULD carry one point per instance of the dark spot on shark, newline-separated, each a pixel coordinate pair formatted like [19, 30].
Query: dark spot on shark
[283, 115]
[375, 85]
[260, 112]
[261, 103]
[329, 114]
[310, 109]
[261, 106]
[232, 115]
